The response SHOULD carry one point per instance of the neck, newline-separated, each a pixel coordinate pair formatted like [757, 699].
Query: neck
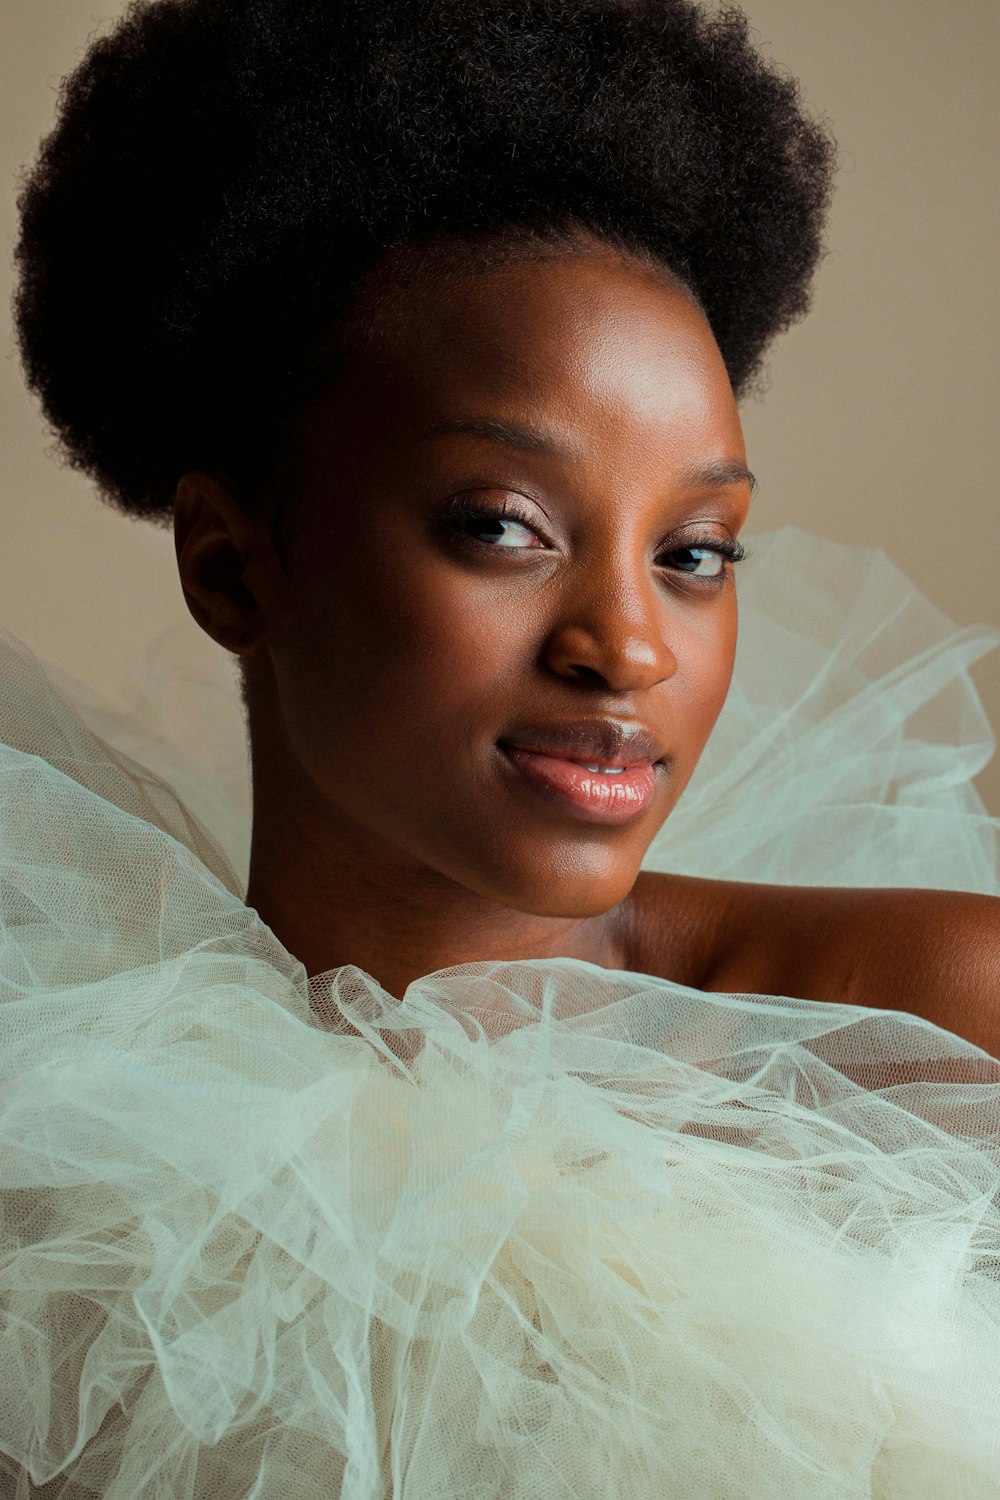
[331, 908]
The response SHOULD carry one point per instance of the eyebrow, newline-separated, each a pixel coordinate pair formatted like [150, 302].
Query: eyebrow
[717, 475]
[537, 440]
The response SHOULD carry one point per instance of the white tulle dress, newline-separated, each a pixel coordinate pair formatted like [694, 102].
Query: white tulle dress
[538, 1230]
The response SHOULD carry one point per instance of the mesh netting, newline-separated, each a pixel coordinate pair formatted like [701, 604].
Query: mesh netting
[538, 1230]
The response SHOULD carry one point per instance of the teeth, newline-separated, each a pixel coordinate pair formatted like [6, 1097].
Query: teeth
[607, 770]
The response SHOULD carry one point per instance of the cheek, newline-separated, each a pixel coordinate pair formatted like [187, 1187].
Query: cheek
[704, 672]
[428, 642]
[391, 649]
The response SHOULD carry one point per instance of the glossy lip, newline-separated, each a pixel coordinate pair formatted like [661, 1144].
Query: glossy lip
[594, 742]
[592, 798]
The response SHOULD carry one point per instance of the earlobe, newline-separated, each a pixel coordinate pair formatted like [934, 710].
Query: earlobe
[213, 541]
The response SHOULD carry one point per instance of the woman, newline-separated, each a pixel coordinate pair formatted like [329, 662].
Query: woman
[464, 1156]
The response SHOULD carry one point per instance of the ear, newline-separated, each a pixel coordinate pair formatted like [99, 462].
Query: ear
[214, 540]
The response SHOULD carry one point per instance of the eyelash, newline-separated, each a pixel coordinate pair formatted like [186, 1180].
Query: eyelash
[466, 508]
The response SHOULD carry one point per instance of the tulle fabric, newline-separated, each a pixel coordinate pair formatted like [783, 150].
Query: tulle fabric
[536, 1229]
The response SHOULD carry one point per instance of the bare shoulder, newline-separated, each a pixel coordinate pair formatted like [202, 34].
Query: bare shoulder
[678, 925]
[933, 953]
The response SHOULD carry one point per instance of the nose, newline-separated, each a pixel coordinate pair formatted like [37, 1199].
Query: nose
[612, 630]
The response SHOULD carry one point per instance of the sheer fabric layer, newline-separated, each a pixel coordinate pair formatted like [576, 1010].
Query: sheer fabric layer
[535, 1230]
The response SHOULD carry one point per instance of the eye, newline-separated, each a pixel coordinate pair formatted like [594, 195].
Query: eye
[705, 558]
[497, 528]
[703, 562]
[509, 528]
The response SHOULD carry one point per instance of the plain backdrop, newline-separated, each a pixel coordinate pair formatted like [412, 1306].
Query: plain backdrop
[879, 426]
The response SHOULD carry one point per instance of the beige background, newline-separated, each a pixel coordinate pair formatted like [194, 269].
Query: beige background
[880, 425]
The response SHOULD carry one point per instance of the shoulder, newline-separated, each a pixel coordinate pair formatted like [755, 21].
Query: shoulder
[673, 926]
[933, 953]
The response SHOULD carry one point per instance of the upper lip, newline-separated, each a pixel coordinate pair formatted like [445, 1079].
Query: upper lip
[595, 742]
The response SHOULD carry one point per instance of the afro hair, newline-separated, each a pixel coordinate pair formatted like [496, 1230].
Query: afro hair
[223, 174]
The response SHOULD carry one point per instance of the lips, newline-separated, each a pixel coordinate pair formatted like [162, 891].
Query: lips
[591, 742]
[584, 794]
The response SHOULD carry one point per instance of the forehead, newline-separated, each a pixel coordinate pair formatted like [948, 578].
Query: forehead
[590, 340]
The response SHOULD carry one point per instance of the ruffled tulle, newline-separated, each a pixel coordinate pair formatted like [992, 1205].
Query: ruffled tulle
[537, 1229]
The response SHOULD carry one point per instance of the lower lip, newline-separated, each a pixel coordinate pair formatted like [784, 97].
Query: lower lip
[591, 796]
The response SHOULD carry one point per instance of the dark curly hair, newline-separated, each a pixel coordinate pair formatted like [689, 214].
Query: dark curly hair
[223, 173]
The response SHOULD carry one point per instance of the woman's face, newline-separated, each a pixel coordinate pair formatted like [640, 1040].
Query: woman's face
[408, 643]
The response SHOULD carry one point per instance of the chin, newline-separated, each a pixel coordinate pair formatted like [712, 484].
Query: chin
[571, 896]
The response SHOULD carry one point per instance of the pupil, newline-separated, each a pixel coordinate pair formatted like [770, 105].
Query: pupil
[493, 525]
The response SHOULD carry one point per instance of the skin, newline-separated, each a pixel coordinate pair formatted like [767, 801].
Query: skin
[386, 657]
